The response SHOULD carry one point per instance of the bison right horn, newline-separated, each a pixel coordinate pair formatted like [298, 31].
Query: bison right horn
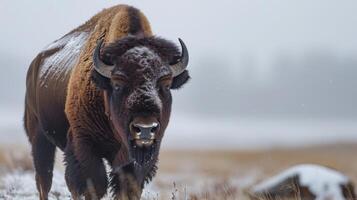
[181, 65]
[99, 66]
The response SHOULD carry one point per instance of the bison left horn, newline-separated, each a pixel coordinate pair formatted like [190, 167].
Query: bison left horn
[99, 66]
[182, 63]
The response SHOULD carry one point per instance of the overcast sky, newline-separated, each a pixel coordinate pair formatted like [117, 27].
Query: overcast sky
[248, 58]
[227, 27]
[240, 39]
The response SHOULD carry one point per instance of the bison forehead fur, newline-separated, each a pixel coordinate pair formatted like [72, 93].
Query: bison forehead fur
[155, 46]
[143, 56]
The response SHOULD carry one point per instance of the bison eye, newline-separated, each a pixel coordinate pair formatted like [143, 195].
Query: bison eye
[165, 82]
[118, 82]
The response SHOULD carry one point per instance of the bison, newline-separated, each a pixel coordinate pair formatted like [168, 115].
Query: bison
[102, 93]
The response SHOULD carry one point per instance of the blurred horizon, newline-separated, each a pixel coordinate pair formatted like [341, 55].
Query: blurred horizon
[272, 63]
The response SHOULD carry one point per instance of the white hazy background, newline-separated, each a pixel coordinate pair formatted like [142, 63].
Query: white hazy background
[265, 74]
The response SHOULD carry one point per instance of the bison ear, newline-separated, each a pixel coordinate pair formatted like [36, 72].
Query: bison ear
[180, 80]
[100, 81]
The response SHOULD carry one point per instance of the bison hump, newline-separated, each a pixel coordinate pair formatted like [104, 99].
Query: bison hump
[63, 57]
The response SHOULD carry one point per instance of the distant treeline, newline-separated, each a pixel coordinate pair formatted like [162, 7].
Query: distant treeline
[316, 85]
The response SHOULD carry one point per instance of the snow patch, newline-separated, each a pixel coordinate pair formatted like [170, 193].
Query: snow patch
[61, 62]
[323, 182]
[21, 185]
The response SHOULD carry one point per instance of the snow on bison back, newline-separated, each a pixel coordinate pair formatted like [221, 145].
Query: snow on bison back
[308, 181]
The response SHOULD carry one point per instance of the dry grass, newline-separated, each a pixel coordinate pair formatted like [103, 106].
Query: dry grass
[223, 166]
[227, 163]
[211, 175]
[222, 190]
[15, 159]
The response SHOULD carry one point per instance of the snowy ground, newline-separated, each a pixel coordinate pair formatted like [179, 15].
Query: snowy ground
[225, 155]
[198, 173]
[20, 185]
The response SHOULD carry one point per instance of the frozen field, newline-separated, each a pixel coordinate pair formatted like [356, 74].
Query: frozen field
[202, 158]
[192, 174]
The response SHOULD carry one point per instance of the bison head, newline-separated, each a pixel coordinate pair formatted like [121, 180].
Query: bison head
[137, 75]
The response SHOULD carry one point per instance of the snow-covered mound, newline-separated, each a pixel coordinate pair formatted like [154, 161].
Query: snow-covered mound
[307, 181]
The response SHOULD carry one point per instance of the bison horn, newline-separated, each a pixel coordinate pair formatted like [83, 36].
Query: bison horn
[181, 65]
[99, 66]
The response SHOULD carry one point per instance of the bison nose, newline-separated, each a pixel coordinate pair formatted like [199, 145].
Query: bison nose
[143, 132]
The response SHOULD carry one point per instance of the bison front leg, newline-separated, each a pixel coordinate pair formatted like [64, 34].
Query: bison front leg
[125, 184]
[85, 172]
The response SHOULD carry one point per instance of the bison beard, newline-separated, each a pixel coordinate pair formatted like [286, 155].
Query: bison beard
[138, 171]
[126, 179]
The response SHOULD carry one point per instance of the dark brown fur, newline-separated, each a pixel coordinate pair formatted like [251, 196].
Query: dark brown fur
[75, 112]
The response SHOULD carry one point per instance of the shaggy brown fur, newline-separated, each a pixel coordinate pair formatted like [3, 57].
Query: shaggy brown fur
[84, 105]
[79, 129]
[83, 96]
